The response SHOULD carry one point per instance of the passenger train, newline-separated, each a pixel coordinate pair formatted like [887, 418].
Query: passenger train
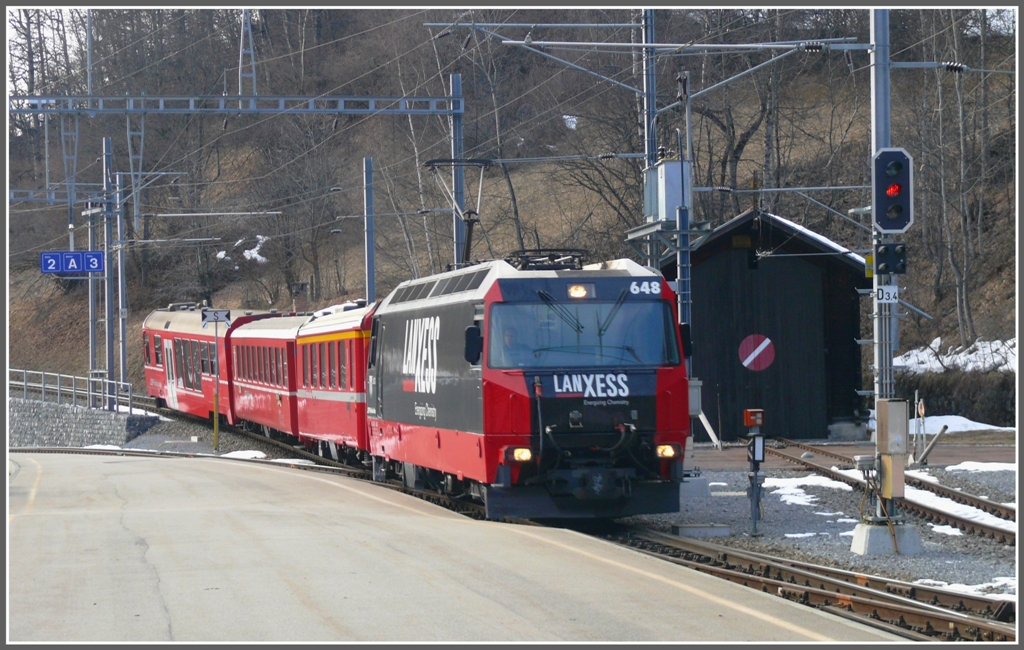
[540, 391]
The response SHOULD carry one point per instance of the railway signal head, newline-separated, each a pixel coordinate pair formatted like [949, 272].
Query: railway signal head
[890, 258]
[892, 190]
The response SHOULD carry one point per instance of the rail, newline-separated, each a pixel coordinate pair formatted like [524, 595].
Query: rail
[1000, 510]
[928, 614]
[929, 513]
[90, 392]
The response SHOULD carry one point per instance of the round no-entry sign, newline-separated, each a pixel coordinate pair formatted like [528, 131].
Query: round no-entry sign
[757, 352]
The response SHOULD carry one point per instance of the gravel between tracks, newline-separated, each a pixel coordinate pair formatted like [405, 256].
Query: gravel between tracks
[957, 560]
[814, 533]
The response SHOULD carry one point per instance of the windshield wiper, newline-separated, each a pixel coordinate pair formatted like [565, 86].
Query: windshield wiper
[608, 320]
[562, 312]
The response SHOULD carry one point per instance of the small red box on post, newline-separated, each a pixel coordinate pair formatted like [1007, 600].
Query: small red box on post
[753, 417]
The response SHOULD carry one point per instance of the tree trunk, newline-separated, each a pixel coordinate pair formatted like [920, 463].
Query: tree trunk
[963, 282]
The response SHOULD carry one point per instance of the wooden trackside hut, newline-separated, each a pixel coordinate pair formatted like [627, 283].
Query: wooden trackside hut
[775, 322]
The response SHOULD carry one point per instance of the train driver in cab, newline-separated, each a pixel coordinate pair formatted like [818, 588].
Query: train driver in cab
[516, 353]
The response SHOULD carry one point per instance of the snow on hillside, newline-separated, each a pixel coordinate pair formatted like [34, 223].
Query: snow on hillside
[982, 356]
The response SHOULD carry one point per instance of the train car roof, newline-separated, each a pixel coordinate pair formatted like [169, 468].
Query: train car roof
[283, 327]
[338, 317]
[180, 320]
[471, 283]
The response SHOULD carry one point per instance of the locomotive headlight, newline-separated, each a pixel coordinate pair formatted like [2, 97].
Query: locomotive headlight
[668, 451]
[584, 290]
[518, 454]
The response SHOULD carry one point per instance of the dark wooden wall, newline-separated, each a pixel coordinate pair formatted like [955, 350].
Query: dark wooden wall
[783, 298]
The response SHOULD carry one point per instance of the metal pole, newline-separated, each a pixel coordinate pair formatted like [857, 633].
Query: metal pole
[683, 244]
[216, 384]
[458, 173]
[122, 294]
[689, 130]
[884, 315]
[371, 290]
[650, 91]
[88, 65]
[46, 144]
[110, 198]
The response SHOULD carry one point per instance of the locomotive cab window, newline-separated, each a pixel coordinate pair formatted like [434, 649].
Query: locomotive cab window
[553, 333]
[145, 347]
[158, 351]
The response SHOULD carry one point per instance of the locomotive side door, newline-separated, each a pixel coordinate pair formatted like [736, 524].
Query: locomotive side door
[374, 373]
[172, 394]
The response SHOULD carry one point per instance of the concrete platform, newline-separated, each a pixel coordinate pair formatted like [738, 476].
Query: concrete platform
[127, 549]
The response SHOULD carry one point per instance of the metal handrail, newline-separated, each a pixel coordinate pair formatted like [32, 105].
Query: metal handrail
[95, 392]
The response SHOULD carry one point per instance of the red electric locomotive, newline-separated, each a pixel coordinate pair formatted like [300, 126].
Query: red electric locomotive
[544, 393]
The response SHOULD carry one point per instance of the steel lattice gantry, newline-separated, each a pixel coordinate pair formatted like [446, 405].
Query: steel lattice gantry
[234, 105]
[136, 107]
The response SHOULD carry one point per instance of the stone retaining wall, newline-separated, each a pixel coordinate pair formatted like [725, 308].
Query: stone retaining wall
[42, 424]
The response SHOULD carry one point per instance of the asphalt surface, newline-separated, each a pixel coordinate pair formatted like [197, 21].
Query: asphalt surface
[131, 549]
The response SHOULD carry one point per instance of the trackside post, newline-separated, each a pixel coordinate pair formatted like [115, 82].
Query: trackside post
[216, 316]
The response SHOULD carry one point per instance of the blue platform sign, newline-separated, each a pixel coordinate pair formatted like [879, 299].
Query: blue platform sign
[72, 262]
[50, 263]
[94, 261]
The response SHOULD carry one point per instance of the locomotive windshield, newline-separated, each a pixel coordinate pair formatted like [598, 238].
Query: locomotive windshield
[555, 334]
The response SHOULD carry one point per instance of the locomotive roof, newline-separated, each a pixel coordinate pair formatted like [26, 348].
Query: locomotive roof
[189, 321]
[468, 284]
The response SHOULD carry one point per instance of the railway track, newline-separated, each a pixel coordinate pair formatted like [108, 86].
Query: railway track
[928, 513]
[981, 503]
[908, 610]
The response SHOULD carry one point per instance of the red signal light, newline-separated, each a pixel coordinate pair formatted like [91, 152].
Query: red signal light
[893, 190]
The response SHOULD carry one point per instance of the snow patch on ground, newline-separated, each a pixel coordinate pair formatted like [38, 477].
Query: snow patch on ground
[932, 500]
[948, 530]
[248, 454]
[981, 356]
[1009, 584]
[953, 423]
[789, 489]
[973, 466]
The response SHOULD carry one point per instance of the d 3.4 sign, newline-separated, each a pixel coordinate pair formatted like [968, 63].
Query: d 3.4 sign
[888, 293]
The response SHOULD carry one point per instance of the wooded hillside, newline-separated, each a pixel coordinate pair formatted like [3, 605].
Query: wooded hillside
[802, 121]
